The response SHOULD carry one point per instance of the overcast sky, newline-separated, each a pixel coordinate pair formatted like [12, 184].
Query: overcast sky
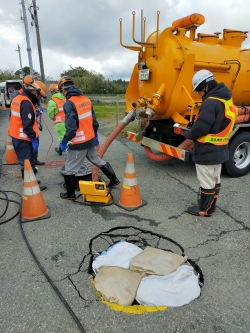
[86, 32]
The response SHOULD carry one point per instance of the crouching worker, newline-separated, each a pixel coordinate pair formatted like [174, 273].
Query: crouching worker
[80, 133]
[210, 133]
[55, 112]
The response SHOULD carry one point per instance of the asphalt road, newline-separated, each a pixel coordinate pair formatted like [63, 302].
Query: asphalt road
[219, 245]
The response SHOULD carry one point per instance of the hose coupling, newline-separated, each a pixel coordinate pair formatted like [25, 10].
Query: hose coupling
[130, 116]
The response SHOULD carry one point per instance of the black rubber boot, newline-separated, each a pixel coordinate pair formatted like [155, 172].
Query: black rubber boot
[109, 172]
[216, 195]
[58, 150]
[205, 207]
[70, 187]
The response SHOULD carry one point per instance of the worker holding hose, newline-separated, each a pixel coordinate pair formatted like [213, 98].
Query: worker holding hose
[210, 133]
[80, 131]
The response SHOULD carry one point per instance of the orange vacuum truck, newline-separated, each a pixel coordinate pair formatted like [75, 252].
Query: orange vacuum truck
[160, 88]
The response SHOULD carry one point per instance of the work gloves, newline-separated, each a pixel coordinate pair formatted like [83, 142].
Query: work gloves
[96, 140]
[39, 110]
[35, 144]
[63, 145]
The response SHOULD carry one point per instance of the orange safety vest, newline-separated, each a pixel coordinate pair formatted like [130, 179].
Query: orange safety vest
[85, 131]
[60, 116]
[16, 125]
[231, 112]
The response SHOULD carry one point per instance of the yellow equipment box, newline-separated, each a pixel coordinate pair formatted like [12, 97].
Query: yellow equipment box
[94, 191]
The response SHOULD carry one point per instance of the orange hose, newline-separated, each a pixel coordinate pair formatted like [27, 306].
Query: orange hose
[104, 147]
[242, 110]
[55, 163]
[242, 118]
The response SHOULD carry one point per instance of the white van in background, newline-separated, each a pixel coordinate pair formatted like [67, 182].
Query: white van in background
[7, 88]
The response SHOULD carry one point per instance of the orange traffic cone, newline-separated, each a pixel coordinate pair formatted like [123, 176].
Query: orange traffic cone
[130, 198]
[33, 205]
[3, 107]
[10, 155]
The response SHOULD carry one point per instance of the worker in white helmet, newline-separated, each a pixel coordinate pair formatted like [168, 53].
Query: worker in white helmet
[210, 133]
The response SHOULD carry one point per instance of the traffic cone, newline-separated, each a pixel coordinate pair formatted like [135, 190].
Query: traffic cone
[130, 198]
[33, 205]
[3, 107]
[10, 155]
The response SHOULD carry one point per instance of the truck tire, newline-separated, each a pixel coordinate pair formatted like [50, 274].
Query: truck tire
[239, 155]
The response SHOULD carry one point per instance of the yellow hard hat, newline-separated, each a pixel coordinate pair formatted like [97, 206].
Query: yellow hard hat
[53, 87]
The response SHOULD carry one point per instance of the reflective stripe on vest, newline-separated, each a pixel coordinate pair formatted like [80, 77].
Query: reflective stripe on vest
[60, 116]
[85, 130]
[231, 112]
[16, 124]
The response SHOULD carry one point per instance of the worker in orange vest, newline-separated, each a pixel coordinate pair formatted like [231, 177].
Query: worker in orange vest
[23, 125]
[55, 112]
[39, 110]
[80, 132]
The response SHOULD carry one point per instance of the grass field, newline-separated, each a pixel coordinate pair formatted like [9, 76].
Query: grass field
[109, 111]
[113, 113]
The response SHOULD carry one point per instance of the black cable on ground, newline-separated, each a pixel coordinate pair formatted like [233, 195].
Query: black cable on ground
[7, 205]
[77, 321]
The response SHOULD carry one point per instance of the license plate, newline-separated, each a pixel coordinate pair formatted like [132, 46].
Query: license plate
[144, 74]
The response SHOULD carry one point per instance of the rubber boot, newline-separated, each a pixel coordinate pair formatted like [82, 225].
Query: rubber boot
[205, 207]
[216, 194]
[58, 150]
[70, 187]
[109, 172]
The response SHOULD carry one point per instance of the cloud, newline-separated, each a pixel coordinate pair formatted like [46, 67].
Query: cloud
[87, 33]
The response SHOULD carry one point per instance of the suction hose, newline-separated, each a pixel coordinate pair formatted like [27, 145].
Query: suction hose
[130, 116]
[186, 145]
[243, 116]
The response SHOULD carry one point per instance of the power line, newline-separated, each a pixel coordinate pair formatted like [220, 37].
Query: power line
[10, 27]
[10, 18]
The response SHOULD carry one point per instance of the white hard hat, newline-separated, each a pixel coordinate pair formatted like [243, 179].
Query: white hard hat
[201, 76]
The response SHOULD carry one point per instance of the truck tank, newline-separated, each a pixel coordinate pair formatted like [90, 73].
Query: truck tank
[168, 60]
[160, 87]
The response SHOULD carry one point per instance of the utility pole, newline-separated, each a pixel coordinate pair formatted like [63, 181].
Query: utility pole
[24, 18]
[38, 40]
[21, 66]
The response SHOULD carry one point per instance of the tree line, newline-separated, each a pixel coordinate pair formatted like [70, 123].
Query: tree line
[89, 82]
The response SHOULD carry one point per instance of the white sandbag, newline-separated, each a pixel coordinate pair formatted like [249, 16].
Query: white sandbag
[117, 285]
[176, 289]
[118, 254]
[156, 261]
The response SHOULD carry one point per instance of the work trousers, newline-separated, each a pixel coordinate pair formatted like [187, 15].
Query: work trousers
[24, 151]
[61, 130]
[36, 153]
[208, 175]
[75, 159]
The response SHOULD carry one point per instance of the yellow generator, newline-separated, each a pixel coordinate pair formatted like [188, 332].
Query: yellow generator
[160, 88]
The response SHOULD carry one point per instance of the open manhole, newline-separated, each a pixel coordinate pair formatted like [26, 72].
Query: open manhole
[143, 239]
